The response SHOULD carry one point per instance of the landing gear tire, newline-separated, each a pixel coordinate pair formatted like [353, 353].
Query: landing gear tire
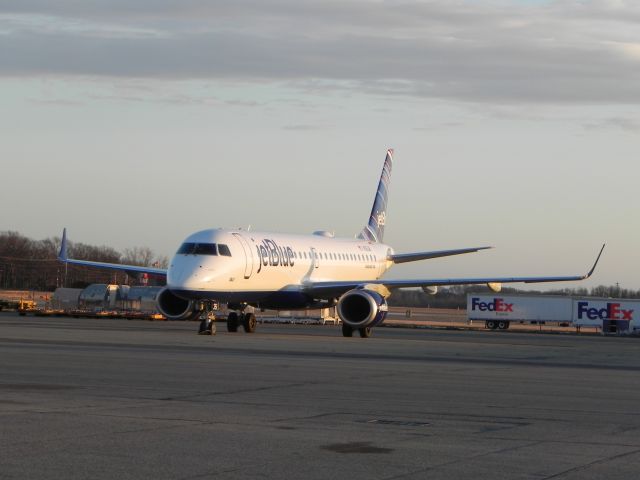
[202, 330]
[249, 322]
[232, 322]
[347, 331]
[503, 325]
[491, 324]
[365, 332]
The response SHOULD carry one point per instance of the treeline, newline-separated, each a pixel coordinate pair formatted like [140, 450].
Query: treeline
[27, 264]
[456, 296]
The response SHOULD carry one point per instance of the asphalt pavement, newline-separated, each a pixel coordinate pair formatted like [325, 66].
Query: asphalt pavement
[86, 398]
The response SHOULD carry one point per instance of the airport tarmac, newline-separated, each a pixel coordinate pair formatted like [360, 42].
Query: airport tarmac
[86, 398]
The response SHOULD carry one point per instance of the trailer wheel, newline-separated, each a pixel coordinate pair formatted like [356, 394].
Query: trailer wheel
[503, 325]
[491, 324]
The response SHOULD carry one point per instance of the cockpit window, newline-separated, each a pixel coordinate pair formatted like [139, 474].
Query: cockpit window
[224, 250]
[189, 248]
[206, 249]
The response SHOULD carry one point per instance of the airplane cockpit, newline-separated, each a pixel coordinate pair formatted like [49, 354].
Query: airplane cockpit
[192, 248]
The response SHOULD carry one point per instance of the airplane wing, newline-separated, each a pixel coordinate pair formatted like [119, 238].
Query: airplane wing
[129, 269]
[413, 257]
[335, 289]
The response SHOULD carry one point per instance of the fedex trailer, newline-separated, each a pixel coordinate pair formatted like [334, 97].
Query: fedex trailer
[498, 311]
[610, 315]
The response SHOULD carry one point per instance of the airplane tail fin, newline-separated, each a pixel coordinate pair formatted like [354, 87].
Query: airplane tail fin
[374, 231]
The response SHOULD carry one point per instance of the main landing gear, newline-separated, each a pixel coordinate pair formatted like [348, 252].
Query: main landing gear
[347, 331]
[247, 320]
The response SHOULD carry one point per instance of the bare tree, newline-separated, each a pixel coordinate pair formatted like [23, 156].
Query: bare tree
[142, 256]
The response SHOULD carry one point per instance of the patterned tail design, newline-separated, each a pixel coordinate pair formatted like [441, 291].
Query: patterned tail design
[374, 231]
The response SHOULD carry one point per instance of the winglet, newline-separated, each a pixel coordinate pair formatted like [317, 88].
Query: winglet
[596, 262]
[62, 255]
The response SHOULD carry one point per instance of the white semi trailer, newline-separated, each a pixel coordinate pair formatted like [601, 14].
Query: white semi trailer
[498, 311]
[610, 315]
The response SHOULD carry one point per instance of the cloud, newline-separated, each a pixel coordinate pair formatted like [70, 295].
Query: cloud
[483, 52]
[617, 123]
[56, 102]
[301, 127]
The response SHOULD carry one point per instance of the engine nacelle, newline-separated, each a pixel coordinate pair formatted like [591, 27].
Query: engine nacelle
[430, 290]
[362, 308]
[174, 307]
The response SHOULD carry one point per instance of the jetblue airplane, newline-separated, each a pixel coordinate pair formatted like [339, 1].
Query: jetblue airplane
[289, 272]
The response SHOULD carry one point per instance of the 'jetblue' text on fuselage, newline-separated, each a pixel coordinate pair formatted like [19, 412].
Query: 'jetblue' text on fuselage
[273, 255]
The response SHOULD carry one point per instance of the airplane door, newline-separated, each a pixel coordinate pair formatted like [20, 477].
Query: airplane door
[316, 262]
[248, 255]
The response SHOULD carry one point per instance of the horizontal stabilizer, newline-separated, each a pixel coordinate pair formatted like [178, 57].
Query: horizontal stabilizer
[414, 257]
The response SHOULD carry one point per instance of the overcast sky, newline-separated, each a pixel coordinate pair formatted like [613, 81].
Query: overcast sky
[515, 124]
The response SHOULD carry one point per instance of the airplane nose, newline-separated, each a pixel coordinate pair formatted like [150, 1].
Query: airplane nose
[183, 276]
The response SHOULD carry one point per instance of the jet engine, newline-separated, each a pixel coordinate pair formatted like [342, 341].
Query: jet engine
[430, 290]
[174, 307]
[362, 308]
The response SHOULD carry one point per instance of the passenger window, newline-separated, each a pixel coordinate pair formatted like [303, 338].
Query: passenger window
[224, 250]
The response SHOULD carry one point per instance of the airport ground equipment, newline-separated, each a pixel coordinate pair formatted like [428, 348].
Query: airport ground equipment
[8, 305]
[607, 314]
[25, 306]
[22, 306]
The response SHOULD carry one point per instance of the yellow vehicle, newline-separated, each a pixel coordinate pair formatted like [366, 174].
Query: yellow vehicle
[25, 306]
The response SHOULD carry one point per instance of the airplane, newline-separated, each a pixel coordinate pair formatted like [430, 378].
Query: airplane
[266, 270]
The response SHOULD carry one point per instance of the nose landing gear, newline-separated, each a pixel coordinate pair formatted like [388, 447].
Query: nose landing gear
[208, 318]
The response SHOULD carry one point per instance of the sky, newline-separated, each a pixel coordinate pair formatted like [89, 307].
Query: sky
[515, 124]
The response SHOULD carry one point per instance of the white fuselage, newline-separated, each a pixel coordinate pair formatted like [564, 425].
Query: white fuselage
[235, 264]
